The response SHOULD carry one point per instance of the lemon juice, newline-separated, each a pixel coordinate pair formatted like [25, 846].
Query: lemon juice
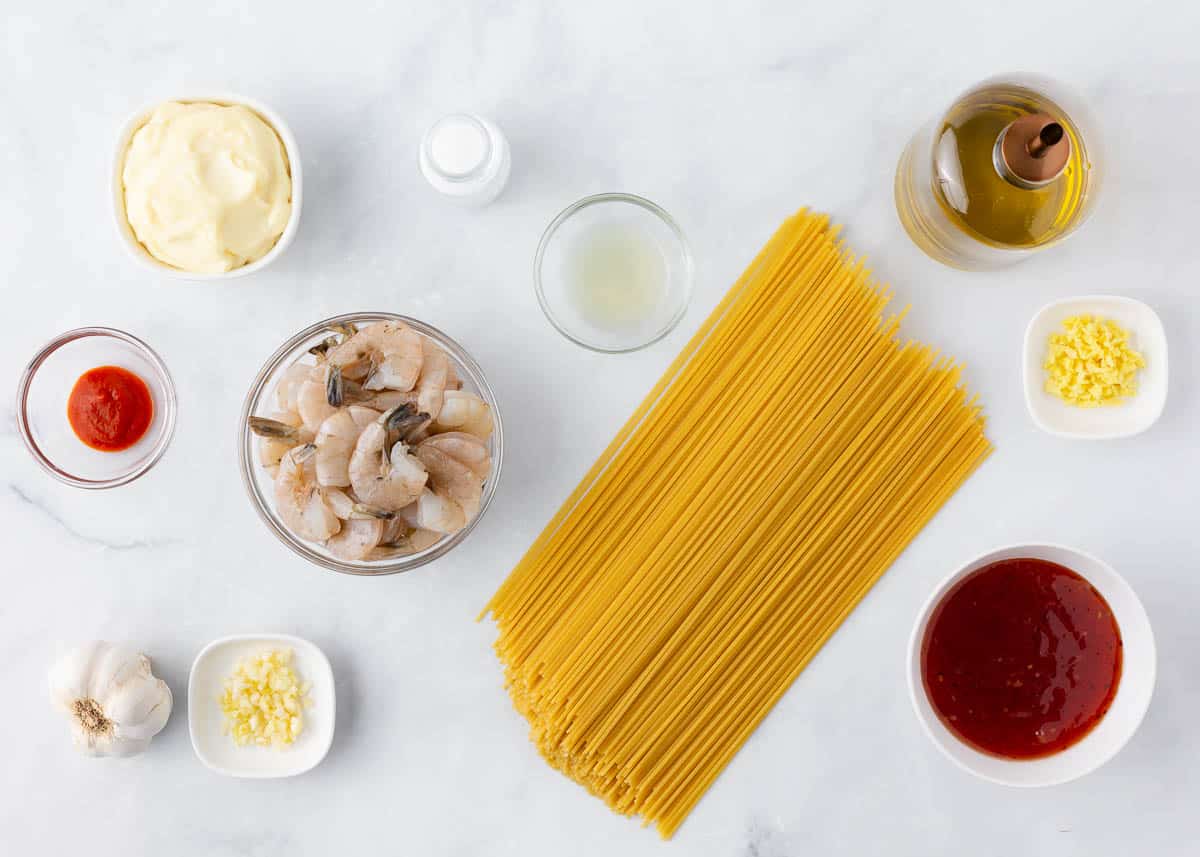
[616, 274]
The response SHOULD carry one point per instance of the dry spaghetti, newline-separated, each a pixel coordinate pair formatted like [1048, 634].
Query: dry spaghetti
[785, 459]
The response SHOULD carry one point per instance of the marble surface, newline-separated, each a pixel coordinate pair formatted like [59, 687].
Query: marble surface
[730, 116]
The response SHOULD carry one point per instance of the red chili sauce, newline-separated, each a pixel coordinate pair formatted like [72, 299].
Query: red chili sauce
[1022, 658]
[110, 408]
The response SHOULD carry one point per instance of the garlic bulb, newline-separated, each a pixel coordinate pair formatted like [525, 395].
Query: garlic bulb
[115, 703]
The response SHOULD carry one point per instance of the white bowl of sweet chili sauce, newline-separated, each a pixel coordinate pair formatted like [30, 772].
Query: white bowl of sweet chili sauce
[1031, 665]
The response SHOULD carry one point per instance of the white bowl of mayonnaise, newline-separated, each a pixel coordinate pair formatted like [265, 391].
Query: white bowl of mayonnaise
[206, 194]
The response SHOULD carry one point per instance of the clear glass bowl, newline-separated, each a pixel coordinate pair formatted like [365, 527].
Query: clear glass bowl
[259, 484]
[46, 385]
[602, 225]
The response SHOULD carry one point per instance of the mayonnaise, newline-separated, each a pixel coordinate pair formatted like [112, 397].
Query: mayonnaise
[207, 187]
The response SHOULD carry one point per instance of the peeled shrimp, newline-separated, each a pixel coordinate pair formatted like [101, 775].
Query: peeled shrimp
[387, 354]
[339, 501]
[419, 539]
[394, 529]
[381, 400]
[298, 497]
[463, 411]
[335, 441]
[358, 537]
[277, 434]
[312, 399]
[435, 513]
[457, 464]
[431, 386]
[404, 543]
[450, 478]
[289, 385]
[375, 450]
[388, 481]
[463, 447]
[347, 508]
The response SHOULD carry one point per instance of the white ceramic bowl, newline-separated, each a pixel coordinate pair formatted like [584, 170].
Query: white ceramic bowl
[125, 232]
[1109, 735]
[214, 664]
[1135, 415]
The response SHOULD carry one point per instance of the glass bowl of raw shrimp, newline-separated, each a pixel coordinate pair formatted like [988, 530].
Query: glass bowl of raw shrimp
[281, 435]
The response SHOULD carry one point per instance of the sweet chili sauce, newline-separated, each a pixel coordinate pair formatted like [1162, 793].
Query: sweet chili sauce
[110, 408]
[1022, 658]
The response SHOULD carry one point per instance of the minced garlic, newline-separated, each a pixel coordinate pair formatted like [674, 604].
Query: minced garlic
[264, 701]
[1091, 364]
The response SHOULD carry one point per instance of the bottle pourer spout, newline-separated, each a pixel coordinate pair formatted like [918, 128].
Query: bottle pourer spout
[1032, 151]
[1046, 138]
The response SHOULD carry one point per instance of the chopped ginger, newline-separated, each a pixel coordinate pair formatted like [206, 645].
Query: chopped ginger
[264, 701]
[1092, 364]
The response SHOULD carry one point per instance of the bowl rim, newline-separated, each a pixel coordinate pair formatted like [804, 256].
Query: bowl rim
[125, 232]
[290, 640]
[600, 199]
[169, 407]
[1031, 387]
[916, 690]
[247, 460]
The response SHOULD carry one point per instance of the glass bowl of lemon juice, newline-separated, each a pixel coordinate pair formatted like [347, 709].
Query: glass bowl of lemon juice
[613, 272]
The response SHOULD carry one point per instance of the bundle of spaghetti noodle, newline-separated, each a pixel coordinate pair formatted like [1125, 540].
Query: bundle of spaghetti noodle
[785, 459]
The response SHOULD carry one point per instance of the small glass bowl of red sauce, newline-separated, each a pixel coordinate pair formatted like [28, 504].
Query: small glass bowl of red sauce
[1032, 665]
[96, 407]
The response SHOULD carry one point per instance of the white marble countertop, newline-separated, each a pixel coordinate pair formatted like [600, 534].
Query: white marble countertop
[730, 116]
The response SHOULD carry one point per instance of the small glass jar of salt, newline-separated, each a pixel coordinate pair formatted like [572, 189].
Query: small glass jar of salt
[466, 158]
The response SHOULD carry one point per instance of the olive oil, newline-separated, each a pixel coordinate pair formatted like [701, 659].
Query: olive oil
[1005, 171]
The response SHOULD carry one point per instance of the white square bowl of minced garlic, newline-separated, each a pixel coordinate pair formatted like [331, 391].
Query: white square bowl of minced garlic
[1095, 367]
[261, 705]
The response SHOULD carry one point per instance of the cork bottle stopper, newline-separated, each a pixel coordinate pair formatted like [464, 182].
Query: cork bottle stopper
[1033, 150]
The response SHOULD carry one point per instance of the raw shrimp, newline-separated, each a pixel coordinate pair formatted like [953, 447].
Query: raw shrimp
[299, 500]
[346, 507]
[375, 450]
[404, 543]
[392, 481]
[288, 387]
[322, 347]
[419, 539]
[312, 401]
[450, 478]
[277, 434]
[387, 354]
[339, 501]
[357, 538]
[463, 447]
[335, 441]
[457, 464]
[431, 386]
[435, 513]
[379, 400]
[463, 411]
[335, 387]
[394, 530]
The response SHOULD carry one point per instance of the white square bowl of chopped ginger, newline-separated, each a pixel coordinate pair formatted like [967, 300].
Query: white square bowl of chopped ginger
[1095, 367]
[261, 705]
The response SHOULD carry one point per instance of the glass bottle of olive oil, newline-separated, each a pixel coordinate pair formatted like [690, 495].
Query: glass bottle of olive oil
[1007, 170]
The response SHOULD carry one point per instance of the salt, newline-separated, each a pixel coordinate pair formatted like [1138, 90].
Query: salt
[466, 158]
